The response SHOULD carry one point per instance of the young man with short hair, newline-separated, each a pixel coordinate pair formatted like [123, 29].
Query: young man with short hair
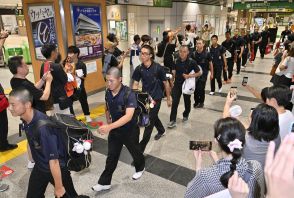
[154, 82]
[121, 127]
[49, 156]
[239, 42]
[279, 97]
[182, 71]
[230, 47]
[60, 100]
[219, 62]
[81, 74]
[204, 60]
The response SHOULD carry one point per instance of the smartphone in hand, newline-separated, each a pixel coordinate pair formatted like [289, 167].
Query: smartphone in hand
[201, 145]
[245, 81]
[233, 92]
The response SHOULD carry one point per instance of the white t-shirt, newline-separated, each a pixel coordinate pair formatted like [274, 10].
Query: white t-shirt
[285, 122]
[190, 39]
[289, 63]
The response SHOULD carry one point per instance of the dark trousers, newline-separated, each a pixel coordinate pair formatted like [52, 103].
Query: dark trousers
[39, 181]
[229, 73]
[199, 94]
[262, 47]
[84, 100]
[238, 63]
[244, 57]
[116, 139]
[255, 50]
[154, 121]
[3, 129]
[217, 75]
[176, 94]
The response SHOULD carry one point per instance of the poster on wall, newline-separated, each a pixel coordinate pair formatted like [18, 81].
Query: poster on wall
[87, 30]
[43, 27]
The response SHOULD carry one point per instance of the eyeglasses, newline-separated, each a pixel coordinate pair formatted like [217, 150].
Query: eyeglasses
[145, 54]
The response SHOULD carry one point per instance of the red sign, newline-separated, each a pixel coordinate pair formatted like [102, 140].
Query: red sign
[5, 171]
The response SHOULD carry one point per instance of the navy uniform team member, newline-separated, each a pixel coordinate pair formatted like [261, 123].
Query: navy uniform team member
[121, 127]
[50, 158]
[239, 49]
[181, 71]
[247, 47]
[230, 47]
[219, 62]
[256, 39]
[265, 39]
[154, 81]
[204, 60]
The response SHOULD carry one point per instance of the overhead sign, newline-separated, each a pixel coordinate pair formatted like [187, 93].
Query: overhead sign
[262, 5]
[153, 3]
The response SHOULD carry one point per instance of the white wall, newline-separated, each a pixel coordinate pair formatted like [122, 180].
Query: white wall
[174, 17]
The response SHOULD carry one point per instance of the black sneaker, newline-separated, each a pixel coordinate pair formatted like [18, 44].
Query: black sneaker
[158, 136]
[8, 147]
[195, 105]
[200, 105]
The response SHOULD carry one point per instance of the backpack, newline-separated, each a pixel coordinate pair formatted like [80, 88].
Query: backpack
[141, 114]
[77, 139]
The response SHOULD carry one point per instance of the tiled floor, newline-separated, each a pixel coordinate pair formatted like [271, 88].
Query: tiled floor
[169, 162]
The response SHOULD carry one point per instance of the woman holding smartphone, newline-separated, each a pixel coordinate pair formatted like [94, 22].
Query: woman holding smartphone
[229, 133]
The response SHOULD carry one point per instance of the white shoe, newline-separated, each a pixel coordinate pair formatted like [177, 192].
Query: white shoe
[100, 187]
[88, 118]
[211, 93]
[242, 67]
[137, 175]
[31, 165]
[220, 90]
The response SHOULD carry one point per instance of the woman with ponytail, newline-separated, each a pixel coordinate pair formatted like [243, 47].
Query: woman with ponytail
[229, 133]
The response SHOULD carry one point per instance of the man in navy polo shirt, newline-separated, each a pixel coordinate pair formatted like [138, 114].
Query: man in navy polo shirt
[121, 127]
[182, 71]
[49, 156]
[204, 60]
[219, 62]
[154, 82]
[239, 42]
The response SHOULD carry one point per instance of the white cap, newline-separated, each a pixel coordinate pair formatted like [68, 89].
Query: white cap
[235, 111]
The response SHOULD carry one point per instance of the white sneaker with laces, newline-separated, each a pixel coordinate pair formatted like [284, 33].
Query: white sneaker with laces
[211, 93]
[31, 165]
[100, 187]
[139, 174]
[220, 90]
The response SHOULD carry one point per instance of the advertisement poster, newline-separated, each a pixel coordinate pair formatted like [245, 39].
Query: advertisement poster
[43, 27]
[87, 30]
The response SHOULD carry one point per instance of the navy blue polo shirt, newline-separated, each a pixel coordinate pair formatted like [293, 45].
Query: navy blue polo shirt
[184, 67]
[152, 79]
[230, 46]
[217, 56]
[52, 145]
[255, 36]
[116, 104]
[239, 42]
[202, 58]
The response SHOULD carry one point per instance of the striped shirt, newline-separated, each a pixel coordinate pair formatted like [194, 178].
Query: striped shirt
[207, 180]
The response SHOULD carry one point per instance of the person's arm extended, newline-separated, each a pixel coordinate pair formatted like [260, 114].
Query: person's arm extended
[230, 98]
[211, 69]
[47, 91]
[167, 91]
[136, 85]
[225, 61]
[107, 115]
[282, 65]
[254, 91]
[242, 49]
[56, 174]
[121, 63]
[40, 83]
[123, 120]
